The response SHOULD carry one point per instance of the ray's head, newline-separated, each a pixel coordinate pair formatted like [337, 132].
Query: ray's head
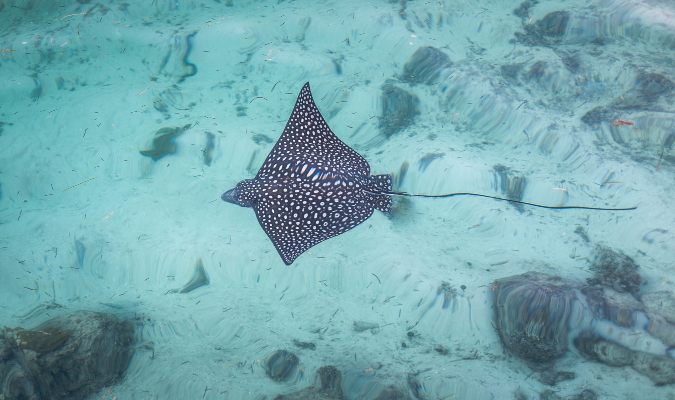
[244, 194]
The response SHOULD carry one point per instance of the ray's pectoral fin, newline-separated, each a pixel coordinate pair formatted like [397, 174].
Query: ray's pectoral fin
[379, 184]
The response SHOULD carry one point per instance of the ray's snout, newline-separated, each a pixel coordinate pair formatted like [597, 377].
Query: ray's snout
[231, 196]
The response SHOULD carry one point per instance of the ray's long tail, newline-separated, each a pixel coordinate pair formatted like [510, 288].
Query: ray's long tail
[509, 200]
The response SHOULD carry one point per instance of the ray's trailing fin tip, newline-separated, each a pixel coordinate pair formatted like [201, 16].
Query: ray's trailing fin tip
[312, 186]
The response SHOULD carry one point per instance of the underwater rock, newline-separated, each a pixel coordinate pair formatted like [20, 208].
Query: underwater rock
[572, 62]
[538, 316]
[616, 270]
[176, 62]
[586, 394]
[536, 71]
[599, 115]
[531, 314]
[208, 148]
[199, 278]
[164, 142]
[281, 365]
[449, 295]
[304, 345]
[68, 357]
[392, 393]
[425, 161]
[659, 368]
[553, 24]
[511, 185]
[400, 176]
[582, 233]
[415, 386]
[603, 351]
[523, 10]
[549, 394]
[510, 72]
[619, 308]
[519, 395]
[551, 377]
[2, 125]
[259, 138]
[648, 89]
[425, 66]
[661, 303]
[37, 90]
[330, 380]
[442, 350]
[170, 99]
[80, 251]
[547, 31]
[361, 326]
[399, 109]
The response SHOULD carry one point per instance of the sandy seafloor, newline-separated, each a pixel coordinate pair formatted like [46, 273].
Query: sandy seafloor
[78, 101]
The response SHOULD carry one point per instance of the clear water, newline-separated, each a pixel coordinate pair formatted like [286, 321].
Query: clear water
[88, 222]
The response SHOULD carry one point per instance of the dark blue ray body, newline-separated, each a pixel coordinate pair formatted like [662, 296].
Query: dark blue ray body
[312, 186]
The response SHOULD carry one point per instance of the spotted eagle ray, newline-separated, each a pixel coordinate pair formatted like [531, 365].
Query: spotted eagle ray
[312, 186]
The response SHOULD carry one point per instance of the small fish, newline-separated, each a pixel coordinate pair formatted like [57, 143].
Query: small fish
[622, 122]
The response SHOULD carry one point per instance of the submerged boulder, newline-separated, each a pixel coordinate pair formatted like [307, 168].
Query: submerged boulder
[329, 388]
[616, 270]
[399, 109]
[538, 317]
[69, 357]
[546, 31]
[425, 66]
[281, 365]
[532, 311]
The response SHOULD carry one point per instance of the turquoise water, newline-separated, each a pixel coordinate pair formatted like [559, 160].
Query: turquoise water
[571, 108]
